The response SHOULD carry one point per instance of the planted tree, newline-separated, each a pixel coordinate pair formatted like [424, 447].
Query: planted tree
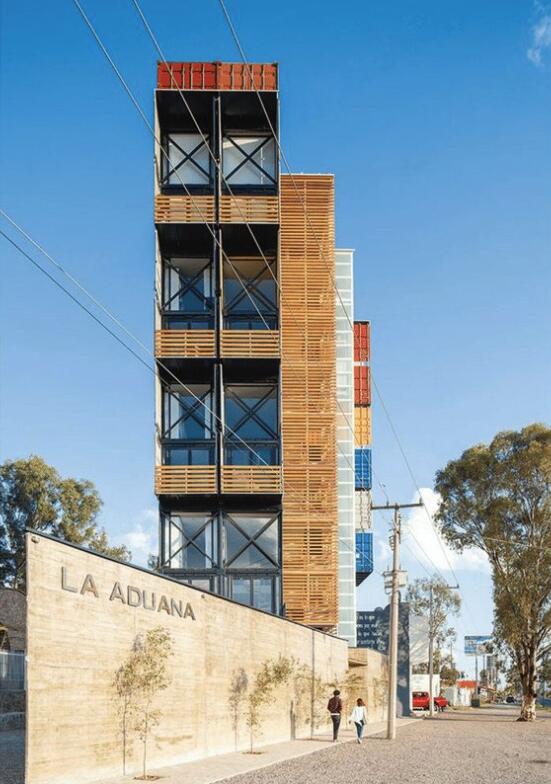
[34, 495]
[273, 673]
[138, 683]
[497, 498]
[433, 599]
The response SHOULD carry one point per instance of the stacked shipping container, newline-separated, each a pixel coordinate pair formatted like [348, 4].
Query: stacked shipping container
[362, 457]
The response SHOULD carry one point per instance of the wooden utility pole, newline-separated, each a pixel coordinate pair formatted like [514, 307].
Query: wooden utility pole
[395, 577]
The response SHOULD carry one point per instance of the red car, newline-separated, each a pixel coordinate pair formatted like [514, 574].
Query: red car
[420, 701]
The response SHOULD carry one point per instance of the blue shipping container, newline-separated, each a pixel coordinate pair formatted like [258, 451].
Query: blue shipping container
[364, 554]
[362, 468]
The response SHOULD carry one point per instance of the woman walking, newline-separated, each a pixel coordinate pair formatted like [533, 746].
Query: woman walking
[359, 717]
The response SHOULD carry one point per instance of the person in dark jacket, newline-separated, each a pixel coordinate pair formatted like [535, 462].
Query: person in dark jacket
[334, 706]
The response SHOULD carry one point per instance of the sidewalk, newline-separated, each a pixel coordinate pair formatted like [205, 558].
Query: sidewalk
[225, 766]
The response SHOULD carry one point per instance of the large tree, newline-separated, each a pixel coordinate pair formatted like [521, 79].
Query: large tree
[33, 495]
[497, 497]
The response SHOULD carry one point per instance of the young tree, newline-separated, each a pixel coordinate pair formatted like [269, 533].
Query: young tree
[273, 673]
[435, 600]
[33, 495]
[497, 497]
[137, 684]
[236, 699]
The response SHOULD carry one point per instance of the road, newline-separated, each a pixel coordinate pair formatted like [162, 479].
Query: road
[485, 746]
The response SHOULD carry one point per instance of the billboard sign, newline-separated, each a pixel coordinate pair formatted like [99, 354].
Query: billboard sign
[477, 644]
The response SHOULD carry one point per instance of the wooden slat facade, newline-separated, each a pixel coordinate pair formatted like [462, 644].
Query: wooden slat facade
[251, 479]
[185, 343]
[184, 209]
[308, 393]
[185, 480]
[251, 344]
[249, 209]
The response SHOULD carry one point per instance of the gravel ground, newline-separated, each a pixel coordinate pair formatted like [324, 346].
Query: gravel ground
[12, 757]
[485, 746]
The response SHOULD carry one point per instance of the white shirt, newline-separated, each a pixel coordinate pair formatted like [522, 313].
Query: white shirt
[358, 714]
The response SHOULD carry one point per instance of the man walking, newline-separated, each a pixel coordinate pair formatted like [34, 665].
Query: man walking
[334, 706]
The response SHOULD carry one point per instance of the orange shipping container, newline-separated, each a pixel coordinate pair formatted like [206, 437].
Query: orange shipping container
[362, 425]
[217, 76]
[362, 385]
[362, 341]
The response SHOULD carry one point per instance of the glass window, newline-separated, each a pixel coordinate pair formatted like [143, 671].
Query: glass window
[188, 412]
[263, 593]
[250, 293]
[241, 590]
[191, 541]
[249, 160]
[187, 285]
[252, 411]
[188, 160]
[251, 541]
[188, 455]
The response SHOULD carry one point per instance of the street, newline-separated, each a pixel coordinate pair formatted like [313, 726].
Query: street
[486, 746]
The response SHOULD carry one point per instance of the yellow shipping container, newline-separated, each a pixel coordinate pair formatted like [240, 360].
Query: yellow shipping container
[362, 425]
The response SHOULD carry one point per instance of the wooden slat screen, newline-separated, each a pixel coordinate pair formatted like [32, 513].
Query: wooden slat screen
[250, 343]
[308, 368]
[184, 480]
[184, 209]
[249, 209]
[251, 479]
[185, 343]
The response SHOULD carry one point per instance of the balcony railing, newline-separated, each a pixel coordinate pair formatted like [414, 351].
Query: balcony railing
[249, 209]
[251, 479]
[185, 343]
[185, 480]
[184, 209]
[254, 343]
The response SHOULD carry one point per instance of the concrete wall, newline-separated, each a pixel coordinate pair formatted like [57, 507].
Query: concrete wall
[371, 667]
[81, 630]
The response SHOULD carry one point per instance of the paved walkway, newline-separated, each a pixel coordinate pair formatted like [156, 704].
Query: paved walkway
[226, 766]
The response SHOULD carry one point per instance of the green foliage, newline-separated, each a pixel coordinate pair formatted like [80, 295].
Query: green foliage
[33, 495]
[444, 602]
[138, 682]
[272, 673]
[497, 497]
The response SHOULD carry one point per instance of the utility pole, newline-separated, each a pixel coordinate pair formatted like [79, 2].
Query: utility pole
[395, 576]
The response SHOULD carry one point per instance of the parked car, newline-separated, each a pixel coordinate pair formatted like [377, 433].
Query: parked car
[510, 699]
[420, 701]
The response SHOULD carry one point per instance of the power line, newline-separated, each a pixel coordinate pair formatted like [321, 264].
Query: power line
[235, 36]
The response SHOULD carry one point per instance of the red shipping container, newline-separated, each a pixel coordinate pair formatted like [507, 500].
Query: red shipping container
[362, 341]
[217, 76]
[362, 385]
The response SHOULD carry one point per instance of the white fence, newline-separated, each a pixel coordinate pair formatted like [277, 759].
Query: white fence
[12, 671]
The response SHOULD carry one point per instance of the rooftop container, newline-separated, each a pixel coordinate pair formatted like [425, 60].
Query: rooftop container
[217, 76]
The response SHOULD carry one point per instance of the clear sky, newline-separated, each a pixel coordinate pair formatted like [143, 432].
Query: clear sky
[436, 120]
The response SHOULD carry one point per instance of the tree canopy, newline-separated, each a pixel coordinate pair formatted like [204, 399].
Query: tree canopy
[497, 497]
[33, 495]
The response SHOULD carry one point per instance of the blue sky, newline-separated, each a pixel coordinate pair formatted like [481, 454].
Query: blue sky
[435, 118]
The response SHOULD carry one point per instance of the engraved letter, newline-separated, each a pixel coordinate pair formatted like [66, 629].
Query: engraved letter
[134, 596]
[176, 607]
[153, 601]
[89, 586]
[117, 593]
[189, 612]
[64, 584]
[164, 605]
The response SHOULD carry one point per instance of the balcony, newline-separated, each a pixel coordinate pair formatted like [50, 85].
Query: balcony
[184, 209]
[250, 344]
[249, 209]
[251, 479]
[185, 480]
[184, 343]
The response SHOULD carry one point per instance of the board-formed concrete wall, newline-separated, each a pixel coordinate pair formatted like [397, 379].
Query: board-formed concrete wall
[84, 613]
